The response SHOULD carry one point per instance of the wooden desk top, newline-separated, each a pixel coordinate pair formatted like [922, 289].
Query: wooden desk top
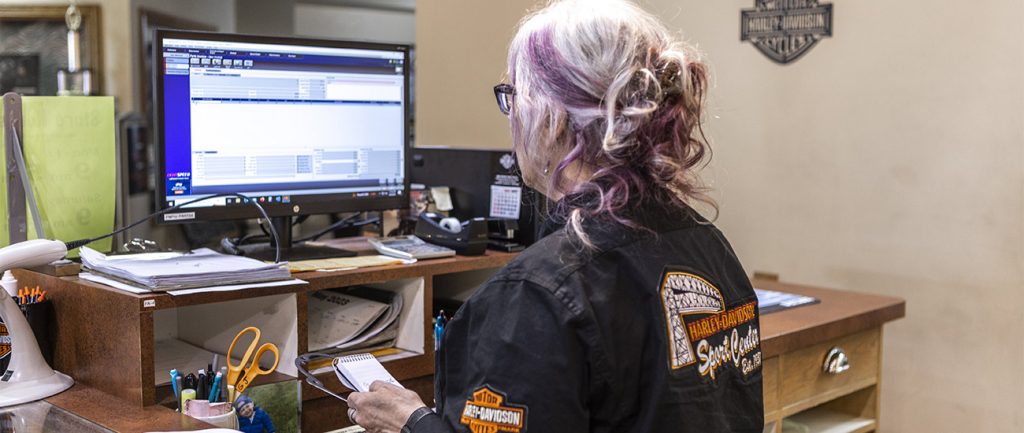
[839, 313]
[118, 415]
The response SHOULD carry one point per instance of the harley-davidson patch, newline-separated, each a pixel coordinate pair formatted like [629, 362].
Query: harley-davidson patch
[683, 294]
[489, 412]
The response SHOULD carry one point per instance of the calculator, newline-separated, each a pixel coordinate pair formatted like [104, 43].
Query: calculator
[409, 247]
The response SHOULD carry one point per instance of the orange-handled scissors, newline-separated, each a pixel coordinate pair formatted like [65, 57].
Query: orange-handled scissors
[253, 370]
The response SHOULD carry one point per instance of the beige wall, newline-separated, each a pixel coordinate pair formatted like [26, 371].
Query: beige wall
[355, 23]
[460, 56]
[889, 160]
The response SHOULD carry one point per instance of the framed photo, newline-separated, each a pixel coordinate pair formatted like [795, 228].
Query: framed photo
[34, 45]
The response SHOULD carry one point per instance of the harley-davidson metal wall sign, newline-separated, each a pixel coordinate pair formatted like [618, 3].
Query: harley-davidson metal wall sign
[784, 30]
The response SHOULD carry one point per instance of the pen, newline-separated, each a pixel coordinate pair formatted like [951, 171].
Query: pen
[213, 390]
[201, 385]
[439, 323]
[190, 381]
[223, 386]
[174, 384]
[177, 395]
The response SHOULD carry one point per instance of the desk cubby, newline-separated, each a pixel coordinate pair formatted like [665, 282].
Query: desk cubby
[108, 339]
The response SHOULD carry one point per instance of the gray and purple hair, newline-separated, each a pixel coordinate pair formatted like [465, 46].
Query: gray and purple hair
[604, 89]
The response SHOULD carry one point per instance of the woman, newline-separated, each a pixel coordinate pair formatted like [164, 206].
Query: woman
[635, 316]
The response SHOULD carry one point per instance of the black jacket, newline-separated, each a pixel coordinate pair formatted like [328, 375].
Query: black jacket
[654, 331]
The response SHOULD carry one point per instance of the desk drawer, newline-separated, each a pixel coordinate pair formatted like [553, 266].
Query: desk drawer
[803, 383]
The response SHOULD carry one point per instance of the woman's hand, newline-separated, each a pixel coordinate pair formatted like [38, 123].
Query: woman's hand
[385, 408]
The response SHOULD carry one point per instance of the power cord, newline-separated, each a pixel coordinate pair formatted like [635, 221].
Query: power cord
[273, 232]
[231, 245]
[344, 223]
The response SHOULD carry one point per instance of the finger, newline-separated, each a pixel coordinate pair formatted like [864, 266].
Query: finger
[356, 418]
[355, 398]
[380, 386]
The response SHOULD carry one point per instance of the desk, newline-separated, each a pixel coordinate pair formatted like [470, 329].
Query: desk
[794, 343]
[85, 410]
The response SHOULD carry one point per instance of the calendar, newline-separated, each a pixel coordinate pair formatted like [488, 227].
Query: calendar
[505, 201]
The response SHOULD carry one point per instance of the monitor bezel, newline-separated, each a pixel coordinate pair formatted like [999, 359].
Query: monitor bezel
[300, 205]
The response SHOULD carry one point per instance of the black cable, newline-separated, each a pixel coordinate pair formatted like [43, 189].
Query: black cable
[345, 222]
[273, 232]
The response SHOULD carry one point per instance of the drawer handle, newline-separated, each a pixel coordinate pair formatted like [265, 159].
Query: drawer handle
[836, 362]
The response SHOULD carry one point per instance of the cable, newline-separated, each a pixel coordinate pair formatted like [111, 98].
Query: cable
[273, 232]
[346, 222]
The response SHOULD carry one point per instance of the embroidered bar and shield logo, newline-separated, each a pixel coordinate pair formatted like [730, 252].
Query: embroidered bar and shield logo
[683, 294]
[5, 341]
[784, 30]
[488, 412]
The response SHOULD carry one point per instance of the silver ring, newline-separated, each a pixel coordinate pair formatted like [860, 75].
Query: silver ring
[352, 415]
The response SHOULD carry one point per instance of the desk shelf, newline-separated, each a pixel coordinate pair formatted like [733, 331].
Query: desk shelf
[115, 330]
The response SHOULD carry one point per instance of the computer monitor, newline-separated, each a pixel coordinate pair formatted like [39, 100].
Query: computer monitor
[302, 126]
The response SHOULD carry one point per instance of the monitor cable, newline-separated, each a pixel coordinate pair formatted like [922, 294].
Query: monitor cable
[272, 233]
[233, 245]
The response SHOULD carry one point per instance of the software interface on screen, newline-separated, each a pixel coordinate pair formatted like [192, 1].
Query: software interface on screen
[279, 121]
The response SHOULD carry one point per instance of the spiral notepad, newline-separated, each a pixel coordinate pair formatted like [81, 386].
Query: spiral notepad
[359, 371]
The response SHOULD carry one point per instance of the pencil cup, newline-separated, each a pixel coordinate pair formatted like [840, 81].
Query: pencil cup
[40, 318]
[198, 408]
[228, 420]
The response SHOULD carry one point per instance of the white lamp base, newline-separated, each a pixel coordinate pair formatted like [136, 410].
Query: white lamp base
[12, 393]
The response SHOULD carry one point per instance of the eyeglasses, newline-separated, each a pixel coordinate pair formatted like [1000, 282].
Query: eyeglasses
[505, 94]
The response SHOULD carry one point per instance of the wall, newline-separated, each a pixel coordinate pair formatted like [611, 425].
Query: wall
[355, 24]
[460, 56]
[887, 160]
[265, 17]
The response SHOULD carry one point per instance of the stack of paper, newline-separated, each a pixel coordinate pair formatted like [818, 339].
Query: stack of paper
[359, 318]
[200, 268]
[770, 301]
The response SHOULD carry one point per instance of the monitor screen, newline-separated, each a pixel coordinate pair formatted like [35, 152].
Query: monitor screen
[302, 126]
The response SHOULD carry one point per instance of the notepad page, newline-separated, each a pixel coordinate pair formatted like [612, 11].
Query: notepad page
[359, 371]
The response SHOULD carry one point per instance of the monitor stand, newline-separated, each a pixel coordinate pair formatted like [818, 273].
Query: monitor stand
[290, 252]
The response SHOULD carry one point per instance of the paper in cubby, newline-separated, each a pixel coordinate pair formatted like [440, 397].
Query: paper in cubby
[356, 317]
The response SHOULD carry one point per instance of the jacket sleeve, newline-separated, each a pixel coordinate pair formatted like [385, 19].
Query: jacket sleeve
[511, 359]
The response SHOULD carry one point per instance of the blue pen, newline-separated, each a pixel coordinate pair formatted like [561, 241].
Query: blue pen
[213, 389]
[439, 323]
